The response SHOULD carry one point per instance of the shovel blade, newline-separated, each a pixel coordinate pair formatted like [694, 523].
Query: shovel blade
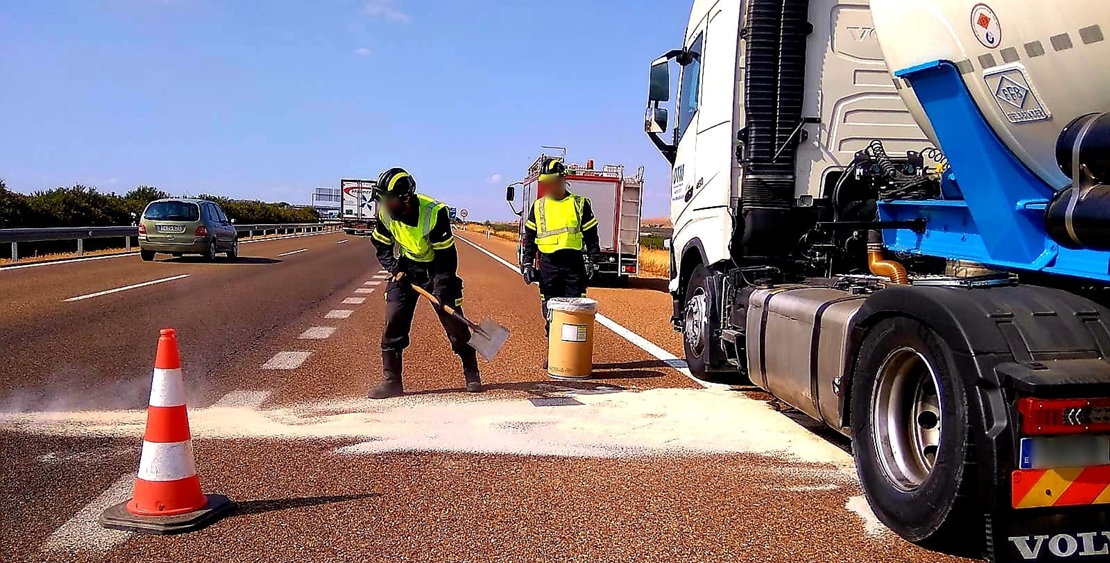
[488, 338]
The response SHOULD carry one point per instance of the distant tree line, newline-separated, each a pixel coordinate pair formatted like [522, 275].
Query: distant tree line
[85, 206]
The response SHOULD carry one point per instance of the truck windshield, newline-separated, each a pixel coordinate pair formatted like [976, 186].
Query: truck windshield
[172, 211]
[688, 90]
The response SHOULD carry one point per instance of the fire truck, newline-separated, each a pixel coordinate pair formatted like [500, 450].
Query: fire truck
[617, 202]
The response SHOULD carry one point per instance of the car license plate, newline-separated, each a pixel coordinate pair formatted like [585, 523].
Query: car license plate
[170, 228]
[1064, 451]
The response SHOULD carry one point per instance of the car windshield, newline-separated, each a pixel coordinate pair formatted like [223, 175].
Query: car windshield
[172, 211]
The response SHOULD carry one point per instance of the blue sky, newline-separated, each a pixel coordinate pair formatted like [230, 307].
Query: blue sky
[268, 99]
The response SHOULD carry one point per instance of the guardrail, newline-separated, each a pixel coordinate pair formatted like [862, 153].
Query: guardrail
[16, 236]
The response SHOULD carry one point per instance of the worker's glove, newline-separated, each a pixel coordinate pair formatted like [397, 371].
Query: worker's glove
[592, 261]
[529, 273]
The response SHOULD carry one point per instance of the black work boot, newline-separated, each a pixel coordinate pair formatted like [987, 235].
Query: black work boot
[470, 371]
[391, 385]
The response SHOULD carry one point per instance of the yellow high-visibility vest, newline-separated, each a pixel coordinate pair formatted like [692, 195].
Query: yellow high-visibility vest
[413, 239]
[559, 223]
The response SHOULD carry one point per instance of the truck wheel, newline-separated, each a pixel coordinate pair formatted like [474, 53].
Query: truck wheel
[911, 437]
[699, 321]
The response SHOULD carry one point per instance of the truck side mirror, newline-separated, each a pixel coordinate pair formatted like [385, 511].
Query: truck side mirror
[659, 82]
[655, 120]
[510, 197]
[666, 244]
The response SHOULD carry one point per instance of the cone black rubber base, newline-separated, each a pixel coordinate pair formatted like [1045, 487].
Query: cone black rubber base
[118, 518]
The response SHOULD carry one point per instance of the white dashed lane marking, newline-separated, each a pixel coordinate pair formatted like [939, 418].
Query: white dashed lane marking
[293, 252]
[83, 532]
[286, 360]
[364, 290]
[374, 283]
[354, 301]
[340, 241]
[317, 333]
[381, 276]
[338, 314]
[124, 288]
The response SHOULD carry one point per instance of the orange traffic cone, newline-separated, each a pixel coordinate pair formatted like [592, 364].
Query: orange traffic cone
[167, 498]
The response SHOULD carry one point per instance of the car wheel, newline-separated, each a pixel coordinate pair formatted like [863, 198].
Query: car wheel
[234, 252]
[911, 435]
[210, 252]
[146, 255]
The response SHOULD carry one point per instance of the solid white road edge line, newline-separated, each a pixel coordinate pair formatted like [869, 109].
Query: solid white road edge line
[637, 340]
[124, 288]
[133, 253]
[298, 251]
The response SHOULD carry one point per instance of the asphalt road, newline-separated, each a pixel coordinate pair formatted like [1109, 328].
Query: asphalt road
[640, 463]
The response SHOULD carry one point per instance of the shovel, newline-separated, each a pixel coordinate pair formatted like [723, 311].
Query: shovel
[486, 338]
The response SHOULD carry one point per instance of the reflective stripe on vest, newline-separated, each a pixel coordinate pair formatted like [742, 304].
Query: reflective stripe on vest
[413, 239]
[559, 225]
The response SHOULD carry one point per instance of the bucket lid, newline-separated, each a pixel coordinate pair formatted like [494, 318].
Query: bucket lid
[572, 304]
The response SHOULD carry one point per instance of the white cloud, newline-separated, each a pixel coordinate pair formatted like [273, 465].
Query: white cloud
[387, 9]
[362, 52]
[495, 179]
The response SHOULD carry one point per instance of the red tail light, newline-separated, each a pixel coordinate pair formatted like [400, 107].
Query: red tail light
[142, 229]
[629, 269]
[202, 231]
[1064, 416]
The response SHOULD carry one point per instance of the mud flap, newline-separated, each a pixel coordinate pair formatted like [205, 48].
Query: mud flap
[1049, 535]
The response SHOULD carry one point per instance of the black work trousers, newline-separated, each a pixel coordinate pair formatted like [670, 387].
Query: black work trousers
[562, 274]
[400, 306]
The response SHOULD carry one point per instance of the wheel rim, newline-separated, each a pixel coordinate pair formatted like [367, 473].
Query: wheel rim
[696, 318]
[907, 418]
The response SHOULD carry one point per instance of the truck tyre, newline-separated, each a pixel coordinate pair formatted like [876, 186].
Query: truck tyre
[905, 394]
[699, 321]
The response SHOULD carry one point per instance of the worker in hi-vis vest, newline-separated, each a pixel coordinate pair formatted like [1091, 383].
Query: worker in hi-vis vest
[420, 228]
[562, 230]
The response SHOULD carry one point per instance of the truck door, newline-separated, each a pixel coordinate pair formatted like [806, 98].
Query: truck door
[684, 174]
[705, 167]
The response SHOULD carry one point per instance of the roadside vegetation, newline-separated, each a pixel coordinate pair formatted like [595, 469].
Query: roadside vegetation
[86, 206]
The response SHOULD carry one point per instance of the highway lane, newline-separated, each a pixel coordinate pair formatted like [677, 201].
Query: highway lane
[638, 464]
[98, 352]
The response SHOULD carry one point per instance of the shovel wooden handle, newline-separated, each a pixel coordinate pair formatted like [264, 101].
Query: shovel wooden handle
[450, 310]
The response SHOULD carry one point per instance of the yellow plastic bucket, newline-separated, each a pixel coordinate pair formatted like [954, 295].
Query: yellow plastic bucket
[570, 346]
